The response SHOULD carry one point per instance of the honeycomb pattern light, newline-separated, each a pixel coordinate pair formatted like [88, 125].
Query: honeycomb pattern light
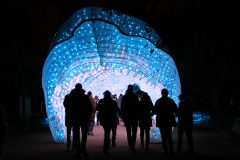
[104, 49]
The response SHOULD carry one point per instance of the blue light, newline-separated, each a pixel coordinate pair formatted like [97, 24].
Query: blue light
[104, 51]
[200, 118]
[155, 135]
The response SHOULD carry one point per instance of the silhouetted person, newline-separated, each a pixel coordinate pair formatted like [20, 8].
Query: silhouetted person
[97, 116]
[145, 118]
[92, 119]
[119, 100]
[81, 115]
[165, 109]
[67, 103]
[3, 127]
[109, 111]
[185, 122]
[130, 115]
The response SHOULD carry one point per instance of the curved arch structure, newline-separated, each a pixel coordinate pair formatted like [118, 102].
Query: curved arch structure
[104, 49]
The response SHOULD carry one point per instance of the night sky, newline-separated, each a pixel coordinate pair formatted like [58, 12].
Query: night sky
[200, 35]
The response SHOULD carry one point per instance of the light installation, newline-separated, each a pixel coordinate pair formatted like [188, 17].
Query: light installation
[200, 118]
[104, 49]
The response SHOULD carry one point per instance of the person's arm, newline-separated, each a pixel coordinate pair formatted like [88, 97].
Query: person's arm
[65, 101]
[98, 108]
[123, 106]
[151, 108]
[155, 109]
[175, 109]
[89, 105]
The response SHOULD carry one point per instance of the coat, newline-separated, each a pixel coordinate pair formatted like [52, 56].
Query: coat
[165, 109]
[146, 113]
[108, 112]
[130, 108]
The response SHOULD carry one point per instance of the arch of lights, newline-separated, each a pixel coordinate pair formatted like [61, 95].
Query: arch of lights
[104, 49]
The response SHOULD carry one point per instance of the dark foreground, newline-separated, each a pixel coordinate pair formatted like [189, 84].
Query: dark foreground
[40, 146]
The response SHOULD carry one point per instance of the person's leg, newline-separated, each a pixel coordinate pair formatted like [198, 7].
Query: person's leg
[134, 135]
[76, 139]
[73, 142]
[106, 142]
[69, 130]
[147, 131]
[164, 140]
[114, 134]
[142, 135]
[180, 138]
[93, 122]
[190, 140]
[84, 129]
[91, 125]
[129, 137]
[170, 140]
[98, 119]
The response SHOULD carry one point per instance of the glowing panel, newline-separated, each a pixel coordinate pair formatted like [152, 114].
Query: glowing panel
[104, 49]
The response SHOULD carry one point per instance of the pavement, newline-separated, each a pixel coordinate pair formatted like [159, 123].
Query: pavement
[39, 145]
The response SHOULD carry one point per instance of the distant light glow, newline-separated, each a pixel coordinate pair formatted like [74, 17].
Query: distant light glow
[104, 49]
[200, 118]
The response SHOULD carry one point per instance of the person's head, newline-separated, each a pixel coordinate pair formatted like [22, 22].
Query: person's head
[182, 96]
[130, 88]
[107, 94]
[89, 93]
[164, 92]
[96, 98]
[145, 96]
[114, 96]
[78, 86]
[120, 95]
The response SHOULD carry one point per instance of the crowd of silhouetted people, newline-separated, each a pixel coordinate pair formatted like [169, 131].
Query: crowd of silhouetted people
[135, 110]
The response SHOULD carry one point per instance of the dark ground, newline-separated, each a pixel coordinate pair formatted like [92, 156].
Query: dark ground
[209, 144]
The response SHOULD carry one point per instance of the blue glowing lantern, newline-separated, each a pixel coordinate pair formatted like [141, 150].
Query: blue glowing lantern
[104, 49]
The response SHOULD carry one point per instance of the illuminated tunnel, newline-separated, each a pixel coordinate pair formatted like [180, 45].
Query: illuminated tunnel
[104, 49]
